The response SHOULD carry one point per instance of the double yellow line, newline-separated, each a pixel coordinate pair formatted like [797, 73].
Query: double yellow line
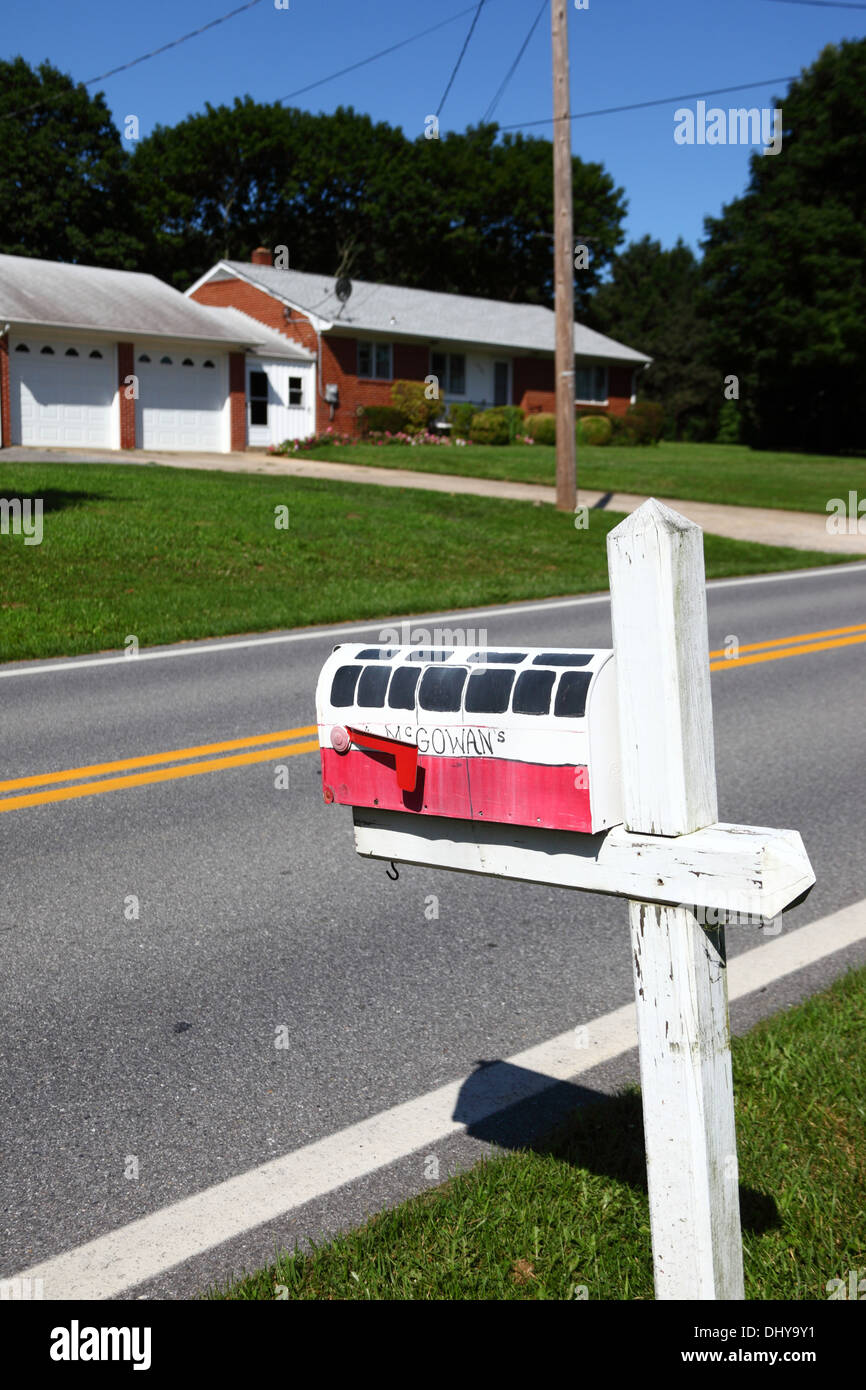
[96, 778]
[781, 647]
[277, 747]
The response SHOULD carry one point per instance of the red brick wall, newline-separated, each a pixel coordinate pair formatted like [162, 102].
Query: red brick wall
[5, 399]
[238, 401]
[236, 294]
[125, 368]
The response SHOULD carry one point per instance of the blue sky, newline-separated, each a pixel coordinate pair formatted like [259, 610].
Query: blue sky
[621, 51]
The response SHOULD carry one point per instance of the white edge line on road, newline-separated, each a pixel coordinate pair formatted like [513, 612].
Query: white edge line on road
[105, 1267]
[209, 647]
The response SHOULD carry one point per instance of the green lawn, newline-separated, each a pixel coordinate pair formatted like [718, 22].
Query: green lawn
[570, 1219]
[702, 472]
[168, 554]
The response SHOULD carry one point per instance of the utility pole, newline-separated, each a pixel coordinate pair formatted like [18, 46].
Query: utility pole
[563, 266]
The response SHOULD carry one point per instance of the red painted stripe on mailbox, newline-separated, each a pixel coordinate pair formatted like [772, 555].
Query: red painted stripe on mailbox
[464, 788]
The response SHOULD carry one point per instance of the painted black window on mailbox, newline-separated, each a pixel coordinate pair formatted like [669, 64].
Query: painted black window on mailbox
[403, 683]
[532, 692]
[488, 692]
[343, 685]
[442, 688]
[562, 659]
[571, 695]
[372, 686]
[495, 658]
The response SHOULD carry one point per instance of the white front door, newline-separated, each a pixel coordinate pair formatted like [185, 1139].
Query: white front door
[62, 393]
[182, 399]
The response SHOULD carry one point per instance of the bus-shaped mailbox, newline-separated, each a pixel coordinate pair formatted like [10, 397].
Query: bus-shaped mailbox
[519, 736]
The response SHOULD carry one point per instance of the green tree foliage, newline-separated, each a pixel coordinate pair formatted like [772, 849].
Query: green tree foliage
[469, 213]
[786, 268]
[64, 194]
[650, 303]
[466, 213]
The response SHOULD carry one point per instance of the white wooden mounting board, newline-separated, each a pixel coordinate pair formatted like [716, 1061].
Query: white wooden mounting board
[731, 868]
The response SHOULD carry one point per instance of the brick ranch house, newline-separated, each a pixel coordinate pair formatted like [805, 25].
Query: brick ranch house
[252, 355]
[485, 351]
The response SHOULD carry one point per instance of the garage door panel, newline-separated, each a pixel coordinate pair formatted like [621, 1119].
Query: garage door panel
[181, 407]
[59, 399]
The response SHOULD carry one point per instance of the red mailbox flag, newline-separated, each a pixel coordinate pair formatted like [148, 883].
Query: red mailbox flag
[405, 756]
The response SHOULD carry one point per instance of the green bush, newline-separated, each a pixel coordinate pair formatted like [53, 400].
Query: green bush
[410, 398]
[541, 428]
[623, 430]
[594, 429]
[514, 417]
[381, 418]
[647, 419]
[489, 427]
[460, 414]
[729, 423]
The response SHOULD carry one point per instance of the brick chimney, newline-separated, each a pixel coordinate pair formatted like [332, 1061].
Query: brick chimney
[262, 256]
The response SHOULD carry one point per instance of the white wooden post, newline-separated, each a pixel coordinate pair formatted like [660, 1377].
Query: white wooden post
[659, 614]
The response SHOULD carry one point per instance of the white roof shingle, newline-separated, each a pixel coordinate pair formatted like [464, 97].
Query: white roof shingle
[399, 312]
[57, 295]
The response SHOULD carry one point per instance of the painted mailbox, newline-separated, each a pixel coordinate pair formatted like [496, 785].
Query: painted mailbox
[517, 736]
[487, 761]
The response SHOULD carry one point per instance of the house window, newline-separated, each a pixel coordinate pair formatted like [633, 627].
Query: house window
[165, 361]
[296, 391]
[47, 351]
[22, 347]
[71, 352]
[97, 353]
[450, 370]
[208, 363]
[258, 398]
[144, 357]
[187, 362]
[374, 360]
[590, 384]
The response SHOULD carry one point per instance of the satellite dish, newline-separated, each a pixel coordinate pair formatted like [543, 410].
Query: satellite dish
[343, 288]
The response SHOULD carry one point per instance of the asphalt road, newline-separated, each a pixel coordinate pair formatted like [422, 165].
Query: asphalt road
[154, 1038]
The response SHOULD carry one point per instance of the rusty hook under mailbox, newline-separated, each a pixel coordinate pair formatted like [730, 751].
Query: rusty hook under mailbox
[396, 874]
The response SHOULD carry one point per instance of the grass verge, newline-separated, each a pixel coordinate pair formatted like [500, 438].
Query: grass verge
[572, 1214]
[174, 554]
[727, 473]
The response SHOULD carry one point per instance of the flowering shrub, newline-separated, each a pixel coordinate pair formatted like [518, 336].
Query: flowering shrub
[330, 436]
[313, 441]
[401, 437]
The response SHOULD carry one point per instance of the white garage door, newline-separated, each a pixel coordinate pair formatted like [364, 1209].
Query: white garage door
[181, 396]
[62, 393]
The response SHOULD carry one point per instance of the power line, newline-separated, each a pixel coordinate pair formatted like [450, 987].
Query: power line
[320, 82]
[824, 4]
[660, 101]
[511, 71]
[123, 67]
[460, 59]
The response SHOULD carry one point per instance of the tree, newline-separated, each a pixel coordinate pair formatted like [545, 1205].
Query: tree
[785, 268]
[650, 303]
[64, 194]
[466, 213]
